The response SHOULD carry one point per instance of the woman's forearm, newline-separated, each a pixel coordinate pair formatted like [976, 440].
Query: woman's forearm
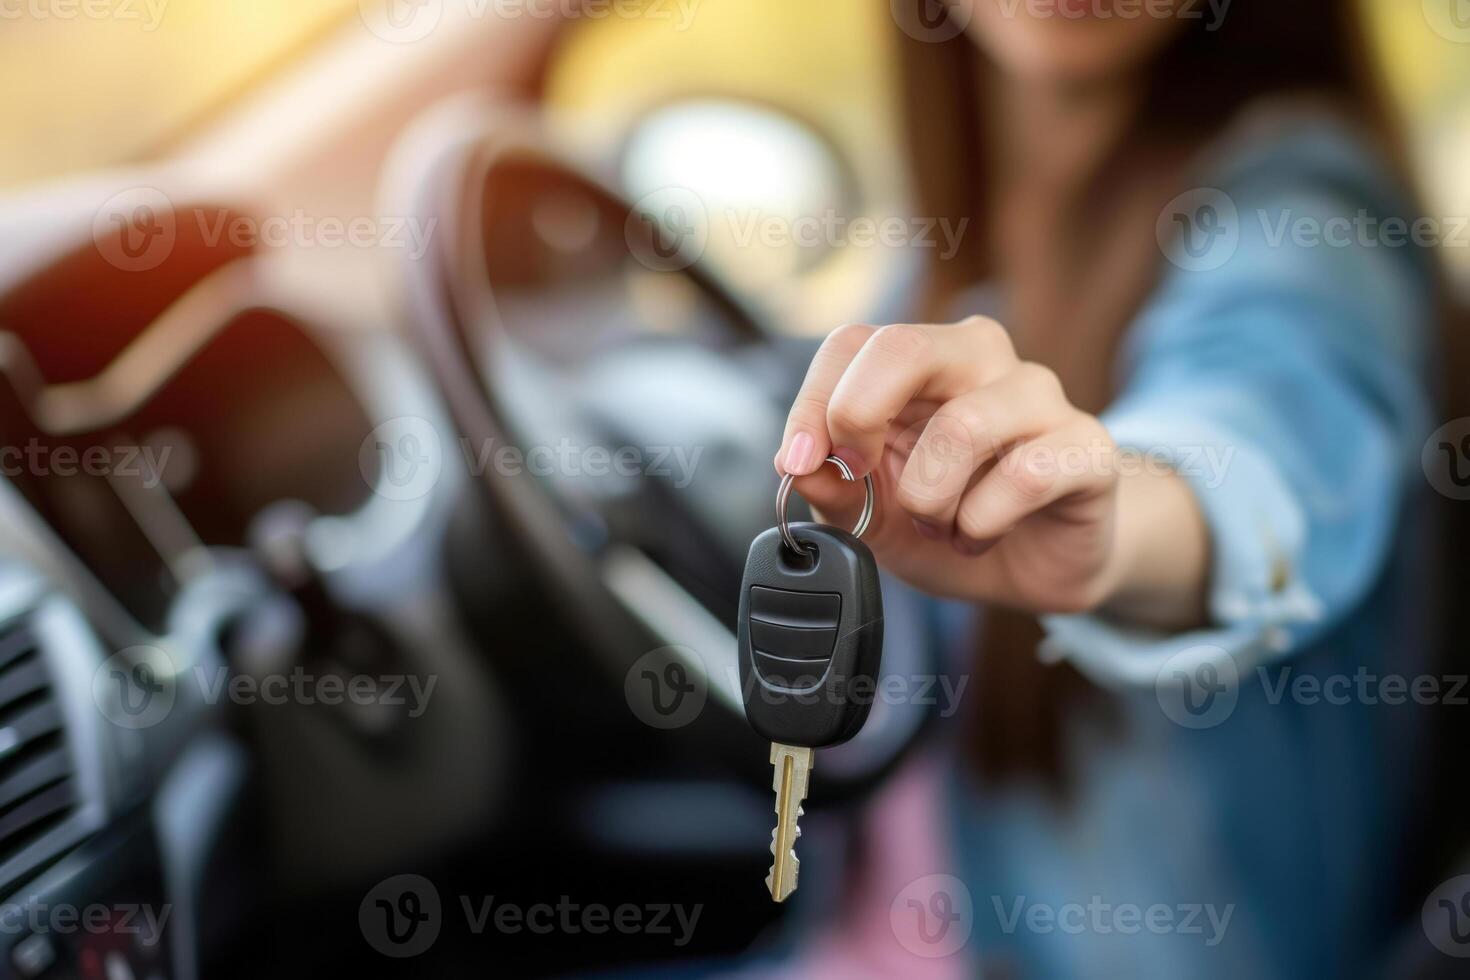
[1163, 554]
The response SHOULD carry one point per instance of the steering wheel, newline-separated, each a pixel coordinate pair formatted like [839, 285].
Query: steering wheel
[620, 408]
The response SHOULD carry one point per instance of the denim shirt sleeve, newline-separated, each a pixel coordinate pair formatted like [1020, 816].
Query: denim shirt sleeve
[1282, 378]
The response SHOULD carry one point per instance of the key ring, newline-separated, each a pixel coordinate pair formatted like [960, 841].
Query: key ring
[784, 495]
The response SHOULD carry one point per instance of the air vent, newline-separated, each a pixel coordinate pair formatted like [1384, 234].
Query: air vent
[37, 781]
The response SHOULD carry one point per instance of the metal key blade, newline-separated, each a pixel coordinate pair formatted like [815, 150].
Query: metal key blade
[793, 769]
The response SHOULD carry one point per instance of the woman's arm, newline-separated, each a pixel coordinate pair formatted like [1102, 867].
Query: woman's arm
[1271, 420]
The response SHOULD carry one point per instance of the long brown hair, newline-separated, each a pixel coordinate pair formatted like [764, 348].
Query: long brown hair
[1102, 254]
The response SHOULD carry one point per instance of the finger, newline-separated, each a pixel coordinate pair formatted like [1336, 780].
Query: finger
[902, 362]
[967, 432]
[805, 443]
[1076, 461]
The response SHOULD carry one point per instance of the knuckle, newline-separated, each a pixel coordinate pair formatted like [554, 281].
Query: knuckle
[1028, 482]
[903, 341]
[1042, 380]
[808, 409]
[991, 336]
[1096, 437]
[971, 523]
[961, 421]
[852, 416]
[954, 438]
[847, 338]
[921, 498]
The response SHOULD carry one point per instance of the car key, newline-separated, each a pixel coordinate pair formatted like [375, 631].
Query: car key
[811, 639]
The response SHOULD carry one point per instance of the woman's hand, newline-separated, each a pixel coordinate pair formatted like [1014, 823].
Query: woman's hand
[991, 485]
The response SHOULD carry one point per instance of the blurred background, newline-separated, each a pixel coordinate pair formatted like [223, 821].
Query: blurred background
[655, 93]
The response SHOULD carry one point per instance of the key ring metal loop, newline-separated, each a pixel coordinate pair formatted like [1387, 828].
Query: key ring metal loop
[783, 496]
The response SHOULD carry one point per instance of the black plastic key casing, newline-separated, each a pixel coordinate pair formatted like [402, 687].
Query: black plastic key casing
[811, 636]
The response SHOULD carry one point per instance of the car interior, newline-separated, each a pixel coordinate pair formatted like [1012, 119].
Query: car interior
[337, 504]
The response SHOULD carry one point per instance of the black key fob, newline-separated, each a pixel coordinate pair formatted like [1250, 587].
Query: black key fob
[811, 635]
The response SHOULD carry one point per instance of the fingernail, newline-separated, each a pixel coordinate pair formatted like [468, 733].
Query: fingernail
[801, 458]
[927, 530]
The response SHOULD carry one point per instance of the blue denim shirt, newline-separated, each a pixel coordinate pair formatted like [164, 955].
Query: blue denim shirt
[1246, 812]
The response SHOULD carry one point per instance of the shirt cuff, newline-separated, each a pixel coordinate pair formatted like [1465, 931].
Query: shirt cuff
[1257, 532]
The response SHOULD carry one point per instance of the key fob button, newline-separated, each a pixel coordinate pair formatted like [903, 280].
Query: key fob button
[792, 643]
[792, 675]
[799, 610]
